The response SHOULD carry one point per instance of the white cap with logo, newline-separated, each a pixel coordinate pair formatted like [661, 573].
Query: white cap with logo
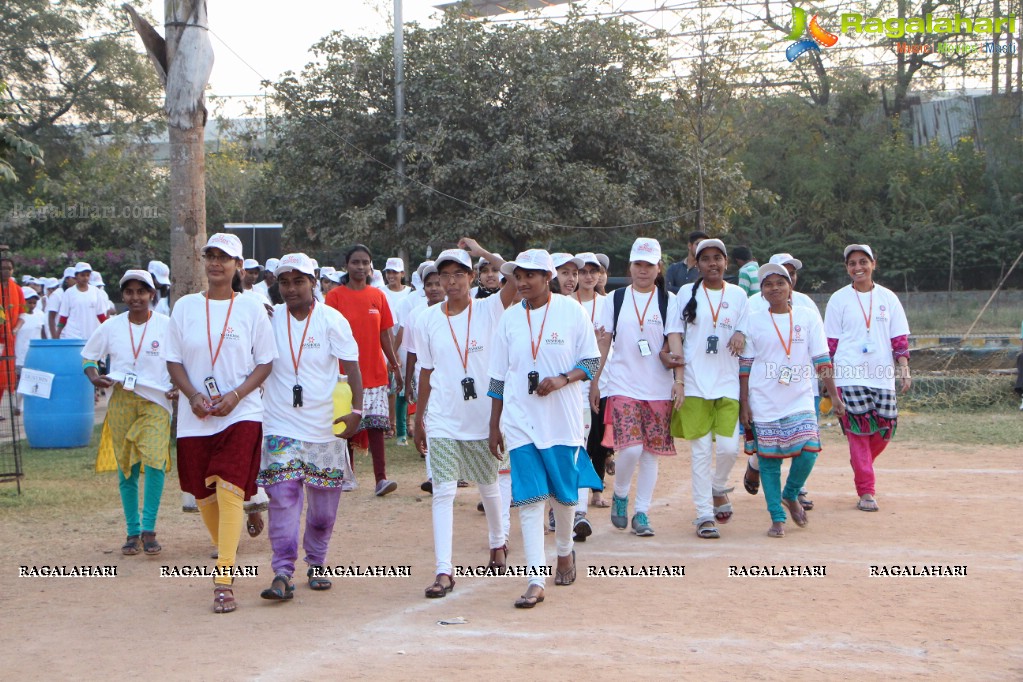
[139, 276]
[459, 256]
[588, 258]
[711, 244]
[160, 272]
[228, 243]
[786, 259]
[298, 262]
[394, 265]
[559, 259]
[533, 259]
[646, 250]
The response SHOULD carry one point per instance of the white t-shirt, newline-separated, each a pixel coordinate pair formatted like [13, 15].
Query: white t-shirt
[81, 309]
[263, 298]
[449, 415]
[394, 300]
[864, 357]
[53, 301]
[163, 306]
[106, 304]
[799, 300]
[710, 375]
[593, 311]
[408, 338]
[769, 399]
[567, 339]
[328, 339]
[629, 372]
[32, 325]
[113, 338]
[261, 288]
[248, 341]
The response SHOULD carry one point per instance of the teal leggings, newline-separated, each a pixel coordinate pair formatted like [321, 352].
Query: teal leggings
[130, 498]
[401, 416]
[770, 477]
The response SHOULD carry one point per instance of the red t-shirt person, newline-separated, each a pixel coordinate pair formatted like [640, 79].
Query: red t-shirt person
[368, 313]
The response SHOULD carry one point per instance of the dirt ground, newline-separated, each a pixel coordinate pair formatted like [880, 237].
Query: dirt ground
[939, 505]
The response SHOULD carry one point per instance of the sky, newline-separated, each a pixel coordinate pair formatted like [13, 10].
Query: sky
[273, 38]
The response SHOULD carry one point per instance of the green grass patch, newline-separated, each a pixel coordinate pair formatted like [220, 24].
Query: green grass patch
[958, 427]
[952, 318]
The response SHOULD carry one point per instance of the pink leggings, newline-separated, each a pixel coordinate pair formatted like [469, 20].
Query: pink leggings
[863, 450]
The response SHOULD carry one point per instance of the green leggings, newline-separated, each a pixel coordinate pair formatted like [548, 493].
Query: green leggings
[130, 498]
[401, 416]
[770, 477]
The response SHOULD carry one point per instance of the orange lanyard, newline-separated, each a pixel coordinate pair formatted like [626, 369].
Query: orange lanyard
[301, 344]
[867, 314]
[536, 347]
[131, 335]
[788, 348]
[714, 313]
[593, 312]
[642, 318]
[223, 332]
[468, 327]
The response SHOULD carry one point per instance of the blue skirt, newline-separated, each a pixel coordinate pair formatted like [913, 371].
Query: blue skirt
[557, 472]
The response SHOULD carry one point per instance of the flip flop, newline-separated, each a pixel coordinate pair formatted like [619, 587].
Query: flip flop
[867, 505]
[603, 504]
[779, 533]
[750, 487]
[806, 503]
[255, 528]
[797, 512]
[528, 602]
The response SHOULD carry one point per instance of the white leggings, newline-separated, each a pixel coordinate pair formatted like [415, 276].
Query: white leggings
[709, 479]
[628, 459]
[531, 517]
[443, 519]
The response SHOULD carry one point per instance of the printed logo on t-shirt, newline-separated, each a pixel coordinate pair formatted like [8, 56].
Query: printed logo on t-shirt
[476, 347]
[374, 311]
[798, 337]
[882, 316]
[154, 349]
[724, 304]
[655, 318]
[231, 335]
[311, 343]
[553, 340]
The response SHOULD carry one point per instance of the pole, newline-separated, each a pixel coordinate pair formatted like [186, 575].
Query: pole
[399, 106]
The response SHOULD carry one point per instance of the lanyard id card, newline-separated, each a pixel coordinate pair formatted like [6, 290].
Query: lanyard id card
[785, 376]
[129, 381]
[468, 388]
[712, 344]
[644, 347]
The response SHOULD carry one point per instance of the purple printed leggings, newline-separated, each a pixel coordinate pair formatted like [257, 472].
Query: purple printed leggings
[285, 516]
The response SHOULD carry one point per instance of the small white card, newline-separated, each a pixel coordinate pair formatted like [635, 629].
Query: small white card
[35, 383]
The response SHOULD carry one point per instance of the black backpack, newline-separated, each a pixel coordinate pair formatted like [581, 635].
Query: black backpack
[618, 298]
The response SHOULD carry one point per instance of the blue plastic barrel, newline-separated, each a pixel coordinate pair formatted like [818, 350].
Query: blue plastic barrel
[65, 420]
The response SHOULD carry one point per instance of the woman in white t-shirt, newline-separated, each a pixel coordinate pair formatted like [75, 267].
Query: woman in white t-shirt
[302, 458]
[566, 273]
[452, 347]
[705, 332]
[593, 304]
[396, 291]
[785, 351]
[219, 351]
[868, 336]
[541, 348]
[138, 416]
[639, 387]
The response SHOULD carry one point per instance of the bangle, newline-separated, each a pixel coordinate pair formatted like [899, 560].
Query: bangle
[568, 380]
[355, 411]
[193, 395]
[680, 381]
[237, 395]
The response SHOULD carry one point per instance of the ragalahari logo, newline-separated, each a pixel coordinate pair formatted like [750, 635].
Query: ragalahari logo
[818, 36]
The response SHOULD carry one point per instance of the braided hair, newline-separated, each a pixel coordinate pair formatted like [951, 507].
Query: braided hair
[689, 312]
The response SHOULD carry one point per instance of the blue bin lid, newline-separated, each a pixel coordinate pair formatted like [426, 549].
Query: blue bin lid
[52, 343]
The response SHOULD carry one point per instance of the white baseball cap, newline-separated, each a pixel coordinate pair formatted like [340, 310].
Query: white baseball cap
[27, 279]
[70, 271]
[250, 264]
[228, 243]
[460, 256]
[560, 258]
[271, 264]
[334, 277]
[96, 279]
[138, 275]
[711, 244]
[858, 247]
[52, 283]
[421, 268]
[532, 259]
[394, 265]
[786, 259]
[483, 261]
[316, 263]
[29, 292]
[604, 260]
[773, 269]
[588, 258]
[430, 269]
[326, 271]
[160, 272]
[81, 267]
[296, 261]
[646, 250]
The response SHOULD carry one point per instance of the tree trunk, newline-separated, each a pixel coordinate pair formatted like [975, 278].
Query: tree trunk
[188, 210]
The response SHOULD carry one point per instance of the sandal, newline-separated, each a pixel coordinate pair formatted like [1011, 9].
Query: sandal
[806, 503]
[438, 589]
[723, 513]
[867, 505]
[530, 598]
[796, 510]
[149, 544]
[751, 480]
[281, 589]
[254, 527]
[132, 546]
[609, 465]
[223, 599]
[316, 580]
[599, 502]
[708, 531]
[565, 577]
[773, 532]
[502, 565]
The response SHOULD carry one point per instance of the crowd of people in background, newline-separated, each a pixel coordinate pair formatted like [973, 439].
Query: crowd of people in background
[526, 377]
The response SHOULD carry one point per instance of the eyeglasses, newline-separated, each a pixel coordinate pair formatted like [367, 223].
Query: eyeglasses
[453, 276]
[216, 258]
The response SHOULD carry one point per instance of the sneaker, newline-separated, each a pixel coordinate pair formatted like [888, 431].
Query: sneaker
[385, 486]
[426, 487]
[582, 527]
[619, 511]
[641, 525]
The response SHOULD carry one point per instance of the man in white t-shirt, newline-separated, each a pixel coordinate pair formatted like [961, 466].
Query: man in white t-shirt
[302, 456]
[452, 343]
[54, 298]
[83, 307]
